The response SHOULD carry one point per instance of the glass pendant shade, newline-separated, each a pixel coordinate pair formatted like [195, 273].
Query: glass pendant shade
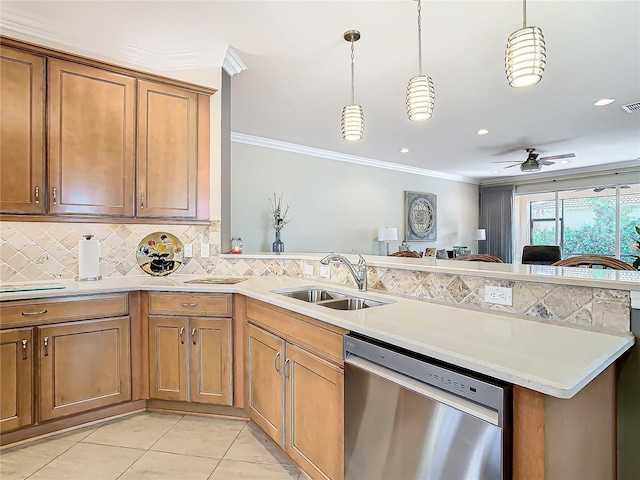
[352, 122]
[526, 57]
[420, 98]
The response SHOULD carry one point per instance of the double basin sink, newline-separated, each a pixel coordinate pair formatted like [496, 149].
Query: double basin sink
[334, 299]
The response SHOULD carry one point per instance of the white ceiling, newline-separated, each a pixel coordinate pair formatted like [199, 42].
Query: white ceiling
[298, 76]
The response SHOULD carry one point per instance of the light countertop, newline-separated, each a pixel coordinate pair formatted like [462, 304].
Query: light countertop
[552, 359]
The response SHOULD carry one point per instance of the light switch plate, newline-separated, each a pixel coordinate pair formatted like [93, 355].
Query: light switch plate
[188, 250]
[204, 250]
[325, 271]
[308, 269]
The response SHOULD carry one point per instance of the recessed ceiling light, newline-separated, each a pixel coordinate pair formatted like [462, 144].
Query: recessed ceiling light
[604, 101]
[495, 171]
[482, 131]
[404, 150]
[564, 161]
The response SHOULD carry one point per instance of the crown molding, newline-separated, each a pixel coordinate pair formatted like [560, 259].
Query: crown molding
[232, 62]
[32, 26]
[343, 157]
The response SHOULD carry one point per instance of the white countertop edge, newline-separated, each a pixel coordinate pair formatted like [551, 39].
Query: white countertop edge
[598, 278]
[261, 290]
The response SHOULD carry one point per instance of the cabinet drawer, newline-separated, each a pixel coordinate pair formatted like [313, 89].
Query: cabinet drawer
[63, 309]
[189, 304]
[318, 337]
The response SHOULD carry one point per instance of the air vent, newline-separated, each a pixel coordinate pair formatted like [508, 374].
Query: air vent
[631, 107]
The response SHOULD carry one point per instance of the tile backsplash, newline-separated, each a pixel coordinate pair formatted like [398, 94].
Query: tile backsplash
[45, 251]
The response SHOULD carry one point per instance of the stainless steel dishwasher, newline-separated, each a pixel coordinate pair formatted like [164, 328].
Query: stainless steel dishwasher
[411, 417]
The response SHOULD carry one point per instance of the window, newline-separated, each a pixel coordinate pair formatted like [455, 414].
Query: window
[596, 220]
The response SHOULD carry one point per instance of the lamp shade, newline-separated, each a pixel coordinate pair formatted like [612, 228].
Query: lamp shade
[479, 234]
[525, 57]
[387, 234]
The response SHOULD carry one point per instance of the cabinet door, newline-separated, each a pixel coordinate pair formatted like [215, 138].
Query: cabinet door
[91, 137]
[83, 365]
[167, 148]
[264, 382]
[210, 361]
[21, 131]
[16, 370]
[168, 343]
[315, 414]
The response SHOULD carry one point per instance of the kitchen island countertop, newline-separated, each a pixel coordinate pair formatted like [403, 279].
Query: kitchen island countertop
[551, 359]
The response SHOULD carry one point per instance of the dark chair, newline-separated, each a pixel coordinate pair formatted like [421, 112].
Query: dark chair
[594, 260]
[540, 254]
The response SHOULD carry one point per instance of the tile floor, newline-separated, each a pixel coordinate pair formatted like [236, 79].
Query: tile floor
[152, 446]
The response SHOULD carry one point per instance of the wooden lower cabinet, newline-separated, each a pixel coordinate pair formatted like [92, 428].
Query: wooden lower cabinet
[264, 382]
[82, 366]
[16, 375]
[297, 398]
[190, 359]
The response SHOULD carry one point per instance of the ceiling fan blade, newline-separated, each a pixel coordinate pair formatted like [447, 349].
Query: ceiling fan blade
[546, 163]
[508, 161]
[558, 157]
[514, 165]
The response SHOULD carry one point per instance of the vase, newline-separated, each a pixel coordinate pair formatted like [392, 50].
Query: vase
[278, 245]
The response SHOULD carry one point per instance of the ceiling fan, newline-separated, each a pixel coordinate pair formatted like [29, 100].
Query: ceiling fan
[533, 163]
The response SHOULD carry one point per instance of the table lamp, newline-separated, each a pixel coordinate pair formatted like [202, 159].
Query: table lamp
[477, 235]
[386, 234]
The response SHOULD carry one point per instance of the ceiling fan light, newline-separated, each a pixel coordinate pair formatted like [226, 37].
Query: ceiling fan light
[525, 57]
[352, 122]
[420, 98]
[530, 166]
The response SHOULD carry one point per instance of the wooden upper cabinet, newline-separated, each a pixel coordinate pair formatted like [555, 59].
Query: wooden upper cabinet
[167, 151]
[91, 136]
[22, 111]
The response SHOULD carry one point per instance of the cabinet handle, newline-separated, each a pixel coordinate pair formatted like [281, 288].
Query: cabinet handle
[188, 304]
[182, 335]
[275, 363]
[24, 349]
[286, 362]
[142, 200]
[41, 312]
[37, 194]
[55, 198]
[46, 346]
[193, 335]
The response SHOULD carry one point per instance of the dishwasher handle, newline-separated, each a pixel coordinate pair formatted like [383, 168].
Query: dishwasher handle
[479, 411]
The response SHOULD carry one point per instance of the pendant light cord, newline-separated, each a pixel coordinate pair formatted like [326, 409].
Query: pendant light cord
[524, 13]
[419, 39]
[352, 77]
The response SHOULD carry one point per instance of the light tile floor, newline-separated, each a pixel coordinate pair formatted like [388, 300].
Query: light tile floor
[152, 446]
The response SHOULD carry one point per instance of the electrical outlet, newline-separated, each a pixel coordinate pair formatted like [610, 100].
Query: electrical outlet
[204, 250]
[325, 271]
[188, 250]
[498, 295]
[308, 269]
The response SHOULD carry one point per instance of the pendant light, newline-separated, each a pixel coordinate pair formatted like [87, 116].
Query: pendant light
[352, 118]
[420, 91]
[526, 54]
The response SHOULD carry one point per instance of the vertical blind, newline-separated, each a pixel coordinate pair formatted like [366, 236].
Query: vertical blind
[496, 214]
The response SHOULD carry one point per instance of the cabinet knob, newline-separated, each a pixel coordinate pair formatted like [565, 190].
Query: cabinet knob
[193, 335]
[182, 335]
[37, 194]
[142, 200]
[55, 196]
[41, 312]
[46, 346]
[188, 304]
[24, 349]
[286, 362]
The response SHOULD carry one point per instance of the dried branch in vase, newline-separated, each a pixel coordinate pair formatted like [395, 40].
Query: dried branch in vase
[278, 214]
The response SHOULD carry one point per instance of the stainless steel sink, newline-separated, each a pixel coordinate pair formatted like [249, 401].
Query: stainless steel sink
[351, 303]
[312, 295]
[332, 299]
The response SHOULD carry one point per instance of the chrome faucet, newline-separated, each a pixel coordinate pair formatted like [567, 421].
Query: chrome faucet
[359, 274]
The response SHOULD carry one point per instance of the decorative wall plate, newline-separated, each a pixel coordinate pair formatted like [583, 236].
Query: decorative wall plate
[420, 216]
[160, 254]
